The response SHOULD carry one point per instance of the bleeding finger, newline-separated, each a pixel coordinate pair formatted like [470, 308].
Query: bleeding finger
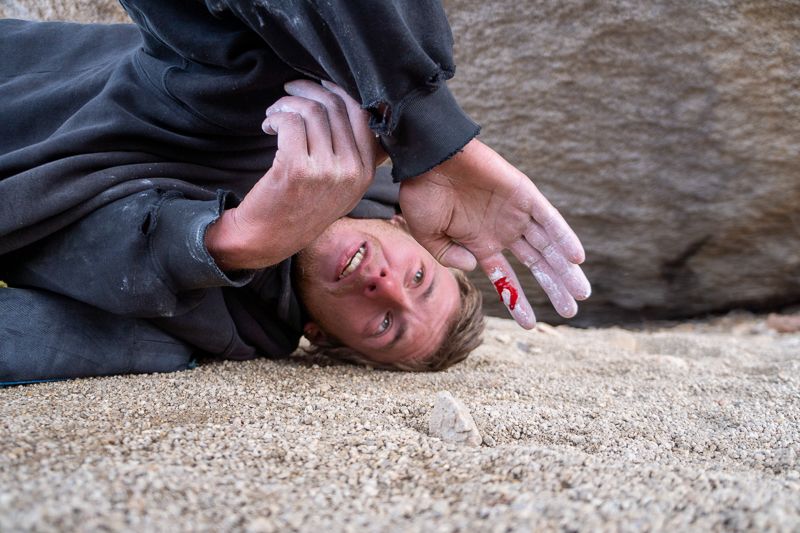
[509, 289]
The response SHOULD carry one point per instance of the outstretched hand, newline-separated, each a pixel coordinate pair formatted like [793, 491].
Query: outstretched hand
[475, 205]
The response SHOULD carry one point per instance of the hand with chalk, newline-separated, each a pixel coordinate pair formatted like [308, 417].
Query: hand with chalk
[470, 208]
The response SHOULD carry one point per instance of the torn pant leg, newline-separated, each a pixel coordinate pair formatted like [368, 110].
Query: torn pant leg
[45, 336]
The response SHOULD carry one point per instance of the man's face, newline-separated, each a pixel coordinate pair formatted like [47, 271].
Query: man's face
[373, 287]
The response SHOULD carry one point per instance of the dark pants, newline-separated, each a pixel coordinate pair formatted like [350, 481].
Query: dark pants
[45, 334]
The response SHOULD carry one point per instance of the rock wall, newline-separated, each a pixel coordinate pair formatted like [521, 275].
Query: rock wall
[72, 10]
[668, 135]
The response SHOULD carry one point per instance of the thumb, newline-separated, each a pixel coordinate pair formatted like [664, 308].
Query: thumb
[449, 253]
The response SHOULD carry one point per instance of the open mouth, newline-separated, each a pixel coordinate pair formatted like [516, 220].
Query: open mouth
[354, 261]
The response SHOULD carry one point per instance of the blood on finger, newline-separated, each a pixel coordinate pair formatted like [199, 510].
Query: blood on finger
[507, 292]
[504, 287]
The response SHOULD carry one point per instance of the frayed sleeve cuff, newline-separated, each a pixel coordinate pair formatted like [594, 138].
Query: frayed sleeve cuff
[178, 243]
[431, 129]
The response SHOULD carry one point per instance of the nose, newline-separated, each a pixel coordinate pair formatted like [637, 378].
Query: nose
[385, 286]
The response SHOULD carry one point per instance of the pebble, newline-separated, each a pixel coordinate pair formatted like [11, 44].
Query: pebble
[451, 421]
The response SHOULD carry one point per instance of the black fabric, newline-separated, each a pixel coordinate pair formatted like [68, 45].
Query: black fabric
[93, 113]
[55, 337]
[392, 56]
[138, 257]
[120, 144]
[77, 127]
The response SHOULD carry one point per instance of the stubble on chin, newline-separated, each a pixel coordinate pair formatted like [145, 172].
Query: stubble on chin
[303, 271]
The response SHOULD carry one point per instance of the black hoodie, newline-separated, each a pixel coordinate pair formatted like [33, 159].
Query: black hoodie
[120, 144]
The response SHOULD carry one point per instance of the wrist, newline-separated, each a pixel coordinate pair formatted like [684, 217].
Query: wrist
[465, 159]
[226, 244]
[478, 165]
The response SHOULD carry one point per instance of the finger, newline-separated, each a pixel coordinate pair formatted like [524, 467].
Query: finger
[557, 229]
[448, 253]
[571, 274]
[509, 289]
[359, 121]
[537, 236]
[342, 135]
[291, 131]
[315, 116]
[563, 302]
[556, 291]
[456, 256]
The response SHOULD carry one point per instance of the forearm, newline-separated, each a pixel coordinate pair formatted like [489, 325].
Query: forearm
[392, 56]
[235, 247]
[143, 255]
[404, 54]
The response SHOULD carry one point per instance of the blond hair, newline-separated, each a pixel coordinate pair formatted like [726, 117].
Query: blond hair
[463, 335]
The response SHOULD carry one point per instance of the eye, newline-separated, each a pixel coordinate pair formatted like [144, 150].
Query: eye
[385, 324]
[419, 276]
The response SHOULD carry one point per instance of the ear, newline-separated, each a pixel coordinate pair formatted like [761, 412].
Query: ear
[399, 221]
[313, 333]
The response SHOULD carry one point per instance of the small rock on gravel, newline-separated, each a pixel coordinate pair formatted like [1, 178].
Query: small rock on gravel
[451, 421]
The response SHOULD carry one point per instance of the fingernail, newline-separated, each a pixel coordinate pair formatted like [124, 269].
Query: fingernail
[279, 109]
[267, 127]
[328, 85]
[584, 293]
[523, 314]
[569, 309]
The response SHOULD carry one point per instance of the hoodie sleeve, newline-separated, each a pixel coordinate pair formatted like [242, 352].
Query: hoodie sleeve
[394, 56]
[143, 255]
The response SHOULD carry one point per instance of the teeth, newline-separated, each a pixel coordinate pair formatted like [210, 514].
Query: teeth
[354, 262]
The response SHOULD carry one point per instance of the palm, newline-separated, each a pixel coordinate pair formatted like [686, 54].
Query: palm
[472, 209]
[471, 218]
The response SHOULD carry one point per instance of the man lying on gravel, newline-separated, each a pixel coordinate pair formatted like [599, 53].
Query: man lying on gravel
[124, 150]
[368, 292]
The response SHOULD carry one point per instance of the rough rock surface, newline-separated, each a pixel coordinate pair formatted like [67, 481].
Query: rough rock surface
[72, 10]
[451, 421]
[669, 136]
[683, 429]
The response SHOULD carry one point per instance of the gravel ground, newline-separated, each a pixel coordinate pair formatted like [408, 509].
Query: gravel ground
[694, 427]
